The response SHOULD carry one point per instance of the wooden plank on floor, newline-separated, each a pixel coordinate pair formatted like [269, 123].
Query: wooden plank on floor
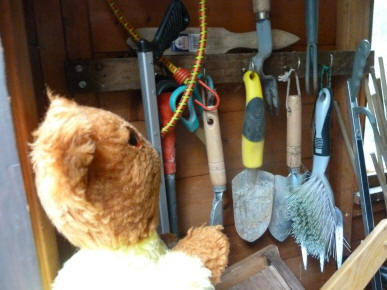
[363, 263]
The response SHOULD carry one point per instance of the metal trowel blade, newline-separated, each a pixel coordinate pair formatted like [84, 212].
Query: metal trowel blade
[279, 226]
[252, 191]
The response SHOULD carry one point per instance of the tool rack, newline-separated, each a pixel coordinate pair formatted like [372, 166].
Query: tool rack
[119, 74]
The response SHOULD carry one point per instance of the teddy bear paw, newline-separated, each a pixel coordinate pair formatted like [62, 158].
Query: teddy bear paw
[210, 245]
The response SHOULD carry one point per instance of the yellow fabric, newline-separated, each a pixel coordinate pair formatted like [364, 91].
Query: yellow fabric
[152, 247]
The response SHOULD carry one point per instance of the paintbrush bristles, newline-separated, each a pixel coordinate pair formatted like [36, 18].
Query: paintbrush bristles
[311, 208]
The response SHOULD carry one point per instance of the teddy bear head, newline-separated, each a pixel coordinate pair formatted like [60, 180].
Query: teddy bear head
[97, 177]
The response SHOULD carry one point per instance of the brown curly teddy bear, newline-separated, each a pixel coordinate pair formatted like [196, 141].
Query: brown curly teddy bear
[98, 180]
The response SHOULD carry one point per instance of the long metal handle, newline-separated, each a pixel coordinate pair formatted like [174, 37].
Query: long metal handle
[311, 23]
[353, 86]
[365, 200]
[311, 11]
[361, 55]
[149, 101]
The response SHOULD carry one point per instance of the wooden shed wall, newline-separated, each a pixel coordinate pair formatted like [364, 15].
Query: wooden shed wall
[68, 29]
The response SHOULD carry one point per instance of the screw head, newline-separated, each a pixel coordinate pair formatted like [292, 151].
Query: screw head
[82, 84]
[78, 68]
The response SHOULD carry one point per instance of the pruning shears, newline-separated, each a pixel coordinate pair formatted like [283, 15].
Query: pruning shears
[192, 121]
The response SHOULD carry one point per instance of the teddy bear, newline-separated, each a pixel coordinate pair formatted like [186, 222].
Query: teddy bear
[98, 180]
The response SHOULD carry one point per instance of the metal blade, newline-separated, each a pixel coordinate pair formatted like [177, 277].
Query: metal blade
[252, 191]
[172, 203]
[280, 223]
[216, 216]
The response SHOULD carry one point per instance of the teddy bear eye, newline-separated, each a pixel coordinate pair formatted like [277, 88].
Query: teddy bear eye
[133, 138]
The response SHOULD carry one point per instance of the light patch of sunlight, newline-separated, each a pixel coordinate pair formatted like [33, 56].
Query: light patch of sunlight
[379, 45]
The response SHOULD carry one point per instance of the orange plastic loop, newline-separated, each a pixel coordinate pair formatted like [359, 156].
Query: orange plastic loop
[212, 91]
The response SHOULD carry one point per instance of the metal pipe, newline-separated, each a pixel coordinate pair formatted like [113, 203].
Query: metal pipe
[152, 123]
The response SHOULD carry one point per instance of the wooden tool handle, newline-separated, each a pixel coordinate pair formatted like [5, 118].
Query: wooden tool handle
[293, 139]
[214, 148]
[168, 142]
[261, 6]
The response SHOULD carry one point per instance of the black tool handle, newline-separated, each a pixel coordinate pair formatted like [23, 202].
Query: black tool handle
[175, 20]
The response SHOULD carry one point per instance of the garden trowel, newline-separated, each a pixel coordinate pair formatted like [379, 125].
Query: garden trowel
[252, 189]
[280, 224]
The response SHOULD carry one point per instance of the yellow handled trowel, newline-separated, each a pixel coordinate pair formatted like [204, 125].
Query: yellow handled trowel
[252, 188]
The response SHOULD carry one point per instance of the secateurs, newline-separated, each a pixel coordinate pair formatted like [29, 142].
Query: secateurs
[192, 121]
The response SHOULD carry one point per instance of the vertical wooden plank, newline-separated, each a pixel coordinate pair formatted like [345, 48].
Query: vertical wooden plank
[78, 39]
[353, 25]
[19, 265]
[21, 90]
[48, 20]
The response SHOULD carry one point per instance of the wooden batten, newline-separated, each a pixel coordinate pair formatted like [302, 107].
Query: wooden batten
[364, 262]
[121, 74]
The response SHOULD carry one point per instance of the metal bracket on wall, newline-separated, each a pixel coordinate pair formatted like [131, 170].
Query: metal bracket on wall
[120, 74]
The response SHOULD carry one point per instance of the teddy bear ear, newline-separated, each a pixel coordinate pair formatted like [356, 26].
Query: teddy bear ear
[64, 146]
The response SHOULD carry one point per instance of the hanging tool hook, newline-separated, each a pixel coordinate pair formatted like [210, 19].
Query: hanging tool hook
[286, 68]
[331, 60]
[286, 77]
[298, 63]
[326, 73]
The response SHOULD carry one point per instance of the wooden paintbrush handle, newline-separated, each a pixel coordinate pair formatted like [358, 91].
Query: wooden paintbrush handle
[293, 138]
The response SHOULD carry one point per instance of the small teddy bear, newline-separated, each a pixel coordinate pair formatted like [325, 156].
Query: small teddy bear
[98, 180]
